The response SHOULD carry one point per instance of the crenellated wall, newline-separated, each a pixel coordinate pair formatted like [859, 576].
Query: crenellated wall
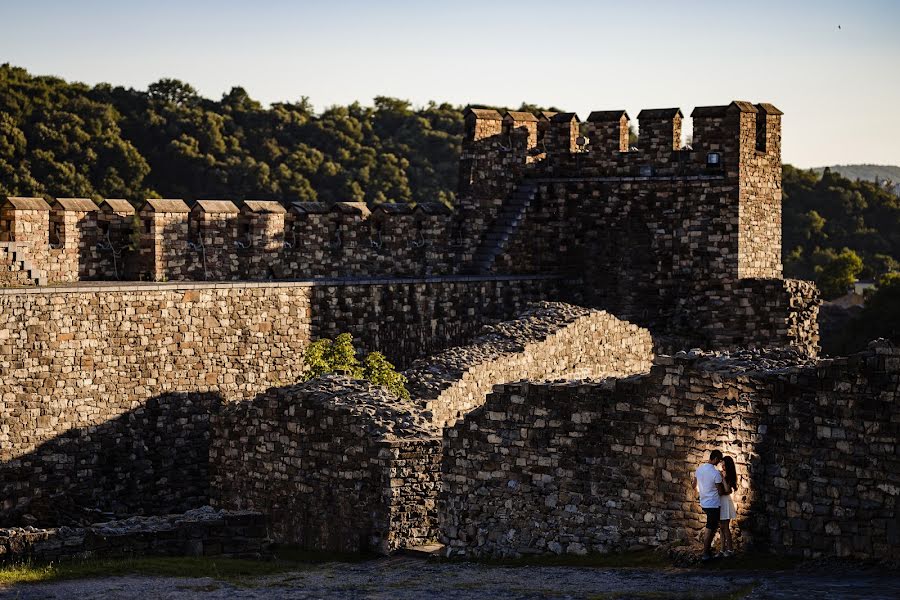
[682, 239]
[215, 240]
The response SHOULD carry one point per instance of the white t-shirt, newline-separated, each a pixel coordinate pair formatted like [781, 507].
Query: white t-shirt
[707, 478]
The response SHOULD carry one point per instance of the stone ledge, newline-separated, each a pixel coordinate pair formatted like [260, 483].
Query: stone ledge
[140, 286]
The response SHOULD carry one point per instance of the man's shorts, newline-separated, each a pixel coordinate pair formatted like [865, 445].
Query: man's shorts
[712, 517]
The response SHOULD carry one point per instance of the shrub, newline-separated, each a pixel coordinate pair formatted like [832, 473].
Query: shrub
[339, 356]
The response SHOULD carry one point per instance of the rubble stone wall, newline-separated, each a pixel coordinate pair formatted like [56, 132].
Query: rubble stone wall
[335, 465]
[105, 391]
[548, 341]
[597, 466]
[200, 532]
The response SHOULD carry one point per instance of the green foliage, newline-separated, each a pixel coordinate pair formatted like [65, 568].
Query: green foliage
[326, 356]
[830, 222]
[837, 272]
[67, 139]
[134, 236]
[339, 356]
[379, 371]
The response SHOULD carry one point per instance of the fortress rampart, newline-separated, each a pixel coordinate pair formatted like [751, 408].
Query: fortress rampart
[344, 466]
[140, 398]
[581, 466]
[106, 391]
[682, 239]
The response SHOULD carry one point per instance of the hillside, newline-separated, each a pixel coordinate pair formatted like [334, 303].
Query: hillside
[865, 172]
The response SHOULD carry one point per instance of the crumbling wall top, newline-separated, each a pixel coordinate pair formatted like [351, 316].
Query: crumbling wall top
[394, 208]
[602, 116]
[513, 115]
[433, 208]
[486, 114]
[117, 205]
[310, 208]
[352, 208]
[660, 113]
[566, 117]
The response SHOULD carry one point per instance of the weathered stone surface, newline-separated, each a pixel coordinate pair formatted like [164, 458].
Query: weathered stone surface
[549, 340]
[335, 464]
[201, 531]
[605, 465]
[105, 393]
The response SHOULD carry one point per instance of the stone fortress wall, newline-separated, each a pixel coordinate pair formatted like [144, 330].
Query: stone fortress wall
[684, 240]
[344, 466]
[146, 398]
[594, 466]
[106, 391]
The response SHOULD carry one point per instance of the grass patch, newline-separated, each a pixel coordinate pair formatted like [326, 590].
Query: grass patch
[224, 569]
[235, 571]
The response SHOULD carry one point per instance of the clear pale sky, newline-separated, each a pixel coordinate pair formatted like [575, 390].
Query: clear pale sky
[839, 89]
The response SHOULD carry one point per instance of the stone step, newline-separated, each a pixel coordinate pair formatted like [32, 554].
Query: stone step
[424, 551]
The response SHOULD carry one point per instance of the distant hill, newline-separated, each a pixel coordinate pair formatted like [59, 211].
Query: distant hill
[865, 172]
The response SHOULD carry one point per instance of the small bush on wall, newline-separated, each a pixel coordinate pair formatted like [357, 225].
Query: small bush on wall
[339, 356]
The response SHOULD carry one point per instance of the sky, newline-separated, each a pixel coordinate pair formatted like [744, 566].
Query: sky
[839, 88]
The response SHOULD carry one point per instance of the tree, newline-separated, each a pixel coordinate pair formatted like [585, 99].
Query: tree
[173, 91]
[836, 276]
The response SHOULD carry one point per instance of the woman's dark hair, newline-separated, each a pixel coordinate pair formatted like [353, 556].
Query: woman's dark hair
[730, 472]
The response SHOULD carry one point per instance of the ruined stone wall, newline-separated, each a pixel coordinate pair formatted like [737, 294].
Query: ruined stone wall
[335, 465]
[200, 532]
[596, 466]
[342, 465]
[105, 391]
[829, 467]
[550, 340]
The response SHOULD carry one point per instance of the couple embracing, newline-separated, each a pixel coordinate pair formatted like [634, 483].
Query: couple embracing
[715, 487]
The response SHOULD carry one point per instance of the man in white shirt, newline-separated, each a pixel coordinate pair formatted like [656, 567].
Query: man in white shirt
[708, 482]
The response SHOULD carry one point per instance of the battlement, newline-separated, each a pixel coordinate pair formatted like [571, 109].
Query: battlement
[652, 232]
[168, 239]
[499, 148]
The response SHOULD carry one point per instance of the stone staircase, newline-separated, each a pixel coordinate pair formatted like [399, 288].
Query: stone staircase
[15, 269]
[497, 238]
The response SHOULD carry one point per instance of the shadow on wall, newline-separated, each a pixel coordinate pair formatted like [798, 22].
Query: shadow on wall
[608, 465]
[150, 460]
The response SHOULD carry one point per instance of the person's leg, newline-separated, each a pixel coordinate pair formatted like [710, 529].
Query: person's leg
[712, 524]
[725, 530]
[707, 541]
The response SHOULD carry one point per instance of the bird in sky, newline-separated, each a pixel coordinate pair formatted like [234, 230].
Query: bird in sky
[839, 26]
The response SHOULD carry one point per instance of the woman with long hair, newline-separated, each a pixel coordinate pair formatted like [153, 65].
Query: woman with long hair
[728, 510]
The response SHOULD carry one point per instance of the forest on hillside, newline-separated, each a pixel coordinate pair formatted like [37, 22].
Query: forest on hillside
[61, 139]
